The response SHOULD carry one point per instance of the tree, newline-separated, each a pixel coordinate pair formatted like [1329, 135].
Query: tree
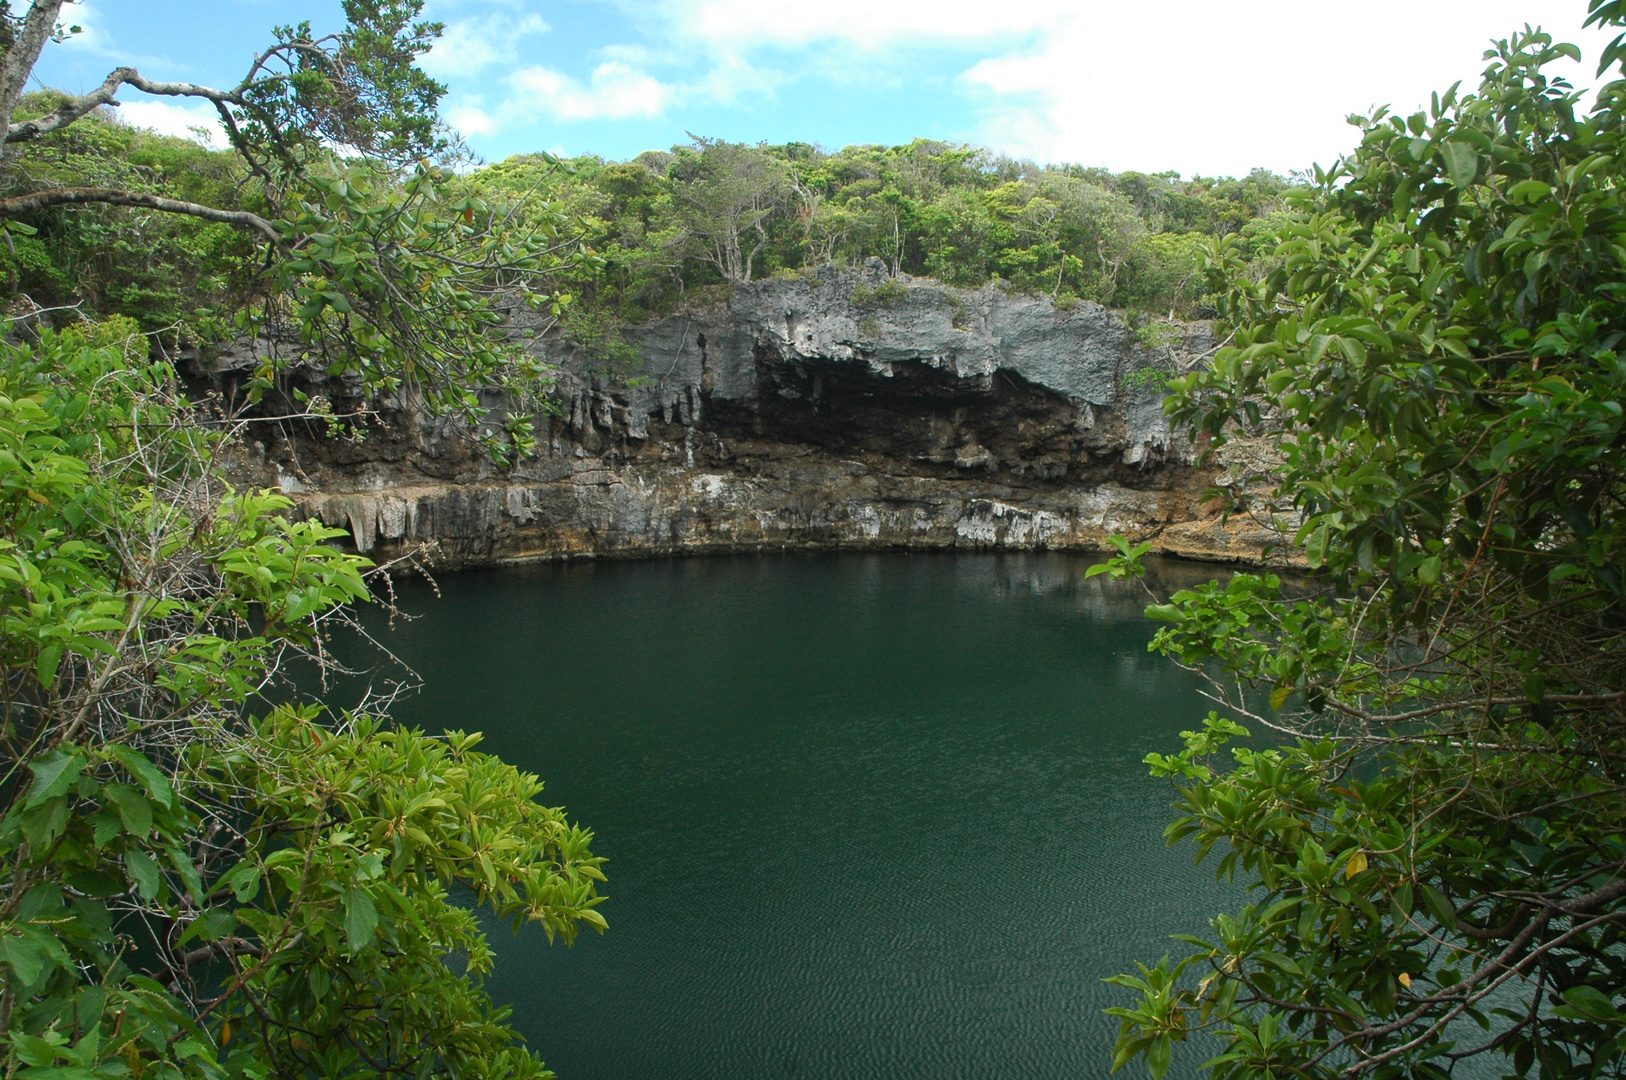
[1434, 833]
[179, 277]
[668, 222]
[724, 193]
[205, 874]
[371, 247]
[1095, 234]
[197, 883]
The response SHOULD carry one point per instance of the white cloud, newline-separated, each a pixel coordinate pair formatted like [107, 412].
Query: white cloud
[714, 40]
[469, 46]
[94, 40]
[863, 24]
[1200, 86]
[635, 55]
[734, 80]
[1188, 84]
[615, 91]
[90, 37]
[173, 118]
[470, 118]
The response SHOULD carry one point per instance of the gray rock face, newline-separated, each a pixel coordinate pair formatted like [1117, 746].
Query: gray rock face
[840, 410]
[770, 334]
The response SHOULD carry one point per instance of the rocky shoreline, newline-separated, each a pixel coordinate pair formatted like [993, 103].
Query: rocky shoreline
[845, 410]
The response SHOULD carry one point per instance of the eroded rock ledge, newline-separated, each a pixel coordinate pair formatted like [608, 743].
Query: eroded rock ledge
[803, 413]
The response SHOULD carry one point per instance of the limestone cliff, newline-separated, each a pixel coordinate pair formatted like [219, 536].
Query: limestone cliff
[840, 410]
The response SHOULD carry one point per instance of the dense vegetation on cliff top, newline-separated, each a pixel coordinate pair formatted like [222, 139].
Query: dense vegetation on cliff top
[713, 212]
[658, 228]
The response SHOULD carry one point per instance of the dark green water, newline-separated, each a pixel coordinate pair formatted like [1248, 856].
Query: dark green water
[868, 816]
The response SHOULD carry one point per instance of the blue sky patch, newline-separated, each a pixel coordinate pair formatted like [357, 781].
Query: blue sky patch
[1205, 88]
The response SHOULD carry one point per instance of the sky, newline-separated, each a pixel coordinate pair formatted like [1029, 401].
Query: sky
[1210, 87]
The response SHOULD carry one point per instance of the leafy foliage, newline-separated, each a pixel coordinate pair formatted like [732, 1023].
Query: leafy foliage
[408, 285]
[198, 884]
[362, 239]
[713, 212]
[175, 276]
[336, 226]
[1435, 842]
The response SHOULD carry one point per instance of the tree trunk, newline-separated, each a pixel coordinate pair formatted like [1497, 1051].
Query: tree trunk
[18, 64]
[762, 238]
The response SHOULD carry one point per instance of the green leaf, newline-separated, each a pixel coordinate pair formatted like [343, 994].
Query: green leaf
[1461, 162]
[33, 1050]
[212, 925]
[184, 866]
[1439, 907]
[27, 959]
[45, 668]
[1592, 1002]
[1159, 1055]
[144, 872]
[1535, 687]
[1315, 546]
[1527, 191]
[360, 918]
[243, 880]
[60, 1072]
[133, 809]
[54, 773]
[1282, 963]
[156, 784]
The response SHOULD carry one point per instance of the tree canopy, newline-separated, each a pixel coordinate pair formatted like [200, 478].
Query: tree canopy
[1432, 824]
[198, 882]
[713, 213]
[342, 209]
[206, 873]
[369, 249]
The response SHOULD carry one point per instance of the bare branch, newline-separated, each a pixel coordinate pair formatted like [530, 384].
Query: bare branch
[39, 200]
[181, 89]
[72, 110]
[68, 111]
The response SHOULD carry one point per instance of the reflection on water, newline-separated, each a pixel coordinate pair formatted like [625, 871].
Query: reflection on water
[867, 815]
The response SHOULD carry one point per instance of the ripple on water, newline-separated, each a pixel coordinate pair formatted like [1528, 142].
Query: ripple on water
[867, 816]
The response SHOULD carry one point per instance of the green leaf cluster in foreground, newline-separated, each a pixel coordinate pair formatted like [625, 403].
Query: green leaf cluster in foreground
[197, 883]
[1435, 832]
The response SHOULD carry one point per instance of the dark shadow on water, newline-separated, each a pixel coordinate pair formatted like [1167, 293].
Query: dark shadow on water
[876, 816]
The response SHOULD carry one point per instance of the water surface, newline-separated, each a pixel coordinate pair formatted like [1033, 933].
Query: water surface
[868, 816]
